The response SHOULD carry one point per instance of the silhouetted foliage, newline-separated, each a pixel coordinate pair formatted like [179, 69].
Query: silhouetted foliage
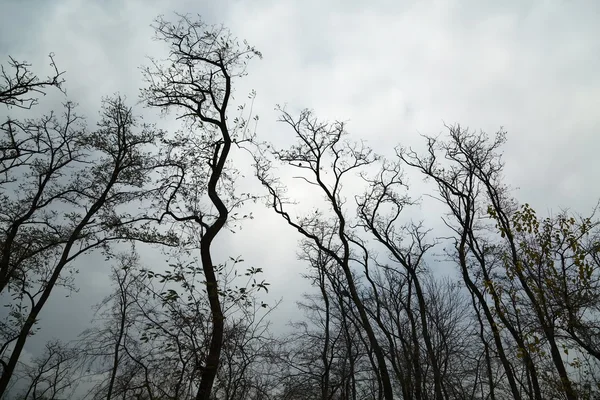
[516, 315]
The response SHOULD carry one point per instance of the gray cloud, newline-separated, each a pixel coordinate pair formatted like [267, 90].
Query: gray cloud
[392, 69]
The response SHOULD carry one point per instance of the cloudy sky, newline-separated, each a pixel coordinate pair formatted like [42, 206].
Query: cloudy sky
[392, 69]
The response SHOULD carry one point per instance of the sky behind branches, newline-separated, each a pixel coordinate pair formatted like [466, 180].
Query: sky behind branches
[392, 69]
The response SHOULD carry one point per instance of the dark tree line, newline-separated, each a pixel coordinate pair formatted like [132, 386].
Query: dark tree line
[516, 316]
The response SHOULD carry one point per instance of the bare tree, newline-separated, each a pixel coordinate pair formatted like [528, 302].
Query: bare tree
[52, 375]
[524, 322]
[325, 356]
[65, 192]
[106, 345]
[406, 244]
[248, 346]
[321, 150]
[460, 190]
[19, 85]
[513, 265]
[153, 333]
[196, 80]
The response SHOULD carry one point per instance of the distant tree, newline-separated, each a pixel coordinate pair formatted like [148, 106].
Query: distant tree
[152, 334]
[321, 354]
[107, 346]
[52, 375]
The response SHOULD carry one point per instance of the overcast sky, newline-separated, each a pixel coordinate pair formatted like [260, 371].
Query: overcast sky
[392, 69]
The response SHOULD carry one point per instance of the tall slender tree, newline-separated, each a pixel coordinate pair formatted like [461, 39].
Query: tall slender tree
[196, 81]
